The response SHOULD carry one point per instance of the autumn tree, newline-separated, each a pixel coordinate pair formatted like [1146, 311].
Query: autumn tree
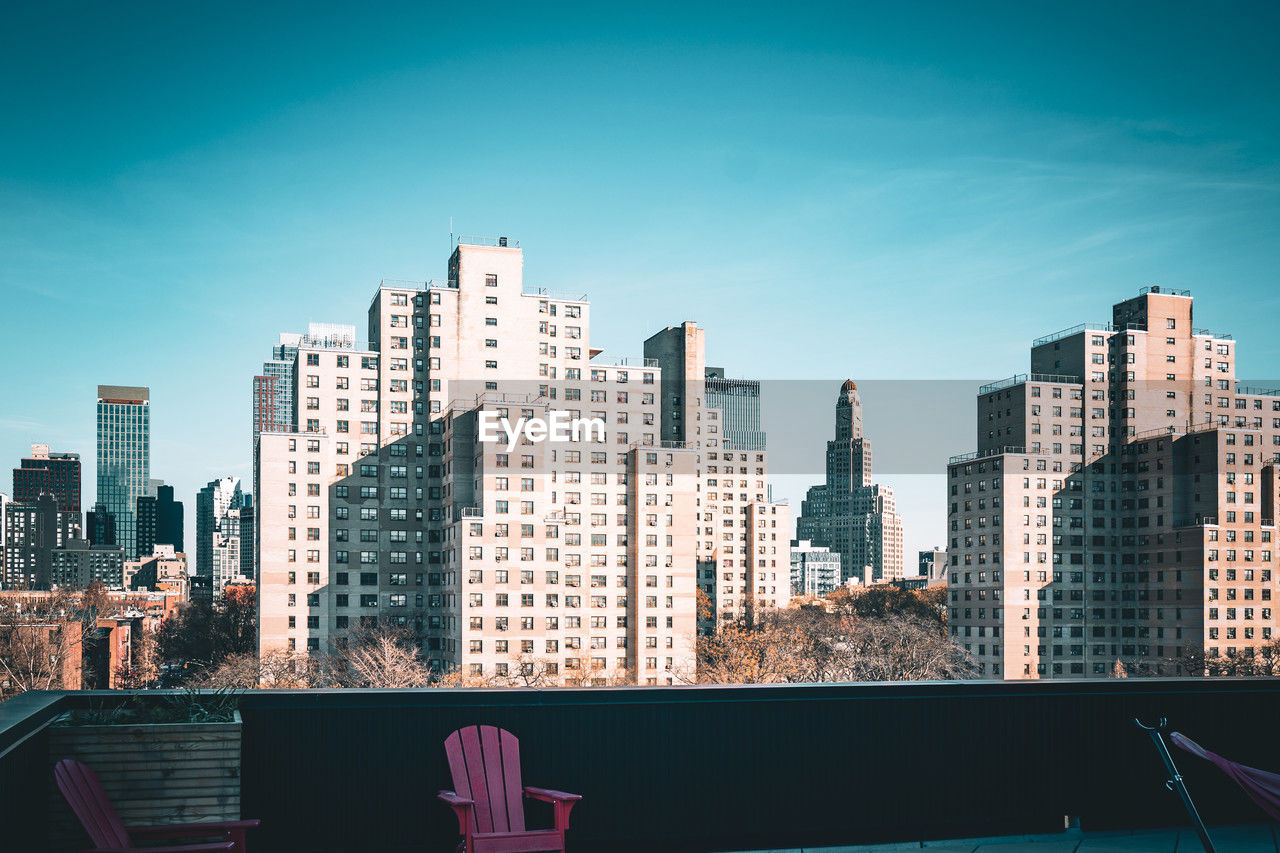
[893, 638]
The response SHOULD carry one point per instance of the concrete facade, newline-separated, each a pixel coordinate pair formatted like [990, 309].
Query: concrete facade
[1120, 505]
[742, 536]
[522, 561]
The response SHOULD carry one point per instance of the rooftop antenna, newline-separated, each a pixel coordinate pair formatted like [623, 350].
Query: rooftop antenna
[450, 233]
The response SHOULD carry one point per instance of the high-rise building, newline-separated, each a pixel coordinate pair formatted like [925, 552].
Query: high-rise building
[222, 534]
[56, 474]
[273, 388]
[159, 521]
[4, 511]
[522, 557]
[100, 526]
[815, 570]
[743, 537]
[247, 537]
[33, 531]
[739, 403]
[1121, 503]
[124, 458]
[848, 513]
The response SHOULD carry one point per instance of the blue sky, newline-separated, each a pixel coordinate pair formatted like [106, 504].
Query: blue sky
[872, 190]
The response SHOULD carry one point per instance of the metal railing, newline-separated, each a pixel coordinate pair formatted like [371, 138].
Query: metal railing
[1249, 390]
[625, 361]
[990, 451]
[560, 295]
[429, 284]
[1068, 332]
[1022, 378]
[491, 242]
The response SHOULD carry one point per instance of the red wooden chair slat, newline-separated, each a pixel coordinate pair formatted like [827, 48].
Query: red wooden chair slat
[488, 797]
[510, 747]
[88, 801]
[494, 779]
[83, 792]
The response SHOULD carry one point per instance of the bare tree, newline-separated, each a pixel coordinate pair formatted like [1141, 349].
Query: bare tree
[41, 640]
[381, 655]
[276, 669]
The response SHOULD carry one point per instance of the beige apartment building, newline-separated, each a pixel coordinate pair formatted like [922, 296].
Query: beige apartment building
[478, 472]
[743, 537]
[1120, 506]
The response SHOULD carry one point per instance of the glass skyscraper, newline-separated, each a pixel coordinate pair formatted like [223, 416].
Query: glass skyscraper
[739, 400]
[273, 388]
[124, 458]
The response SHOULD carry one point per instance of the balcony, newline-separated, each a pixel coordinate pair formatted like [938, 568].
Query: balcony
[726, 768]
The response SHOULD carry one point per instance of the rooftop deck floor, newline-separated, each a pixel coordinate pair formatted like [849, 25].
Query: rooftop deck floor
[1250, 838]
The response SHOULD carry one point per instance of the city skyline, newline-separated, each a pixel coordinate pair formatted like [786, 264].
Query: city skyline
[923, 164]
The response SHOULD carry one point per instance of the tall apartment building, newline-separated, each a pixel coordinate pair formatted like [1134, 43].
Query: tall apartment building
[1121, 503]
[124, 459]
[56, 474]
[395, 496]
[743, 538]
[159, 522]
[848, 513]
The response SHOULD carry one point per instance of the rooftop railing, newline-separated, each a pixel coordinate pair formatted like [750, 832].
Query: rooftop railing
[625, 361]
[492, 242]
[1167, 291]
[429, 284]
[990, 451]
[1250, 390]
[559, 295]
[710, 768]
[1021, 378]
[1068, 332]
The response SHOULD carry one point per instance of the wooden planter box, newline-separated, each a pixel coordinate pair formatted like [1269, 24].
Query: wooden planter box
[152, 772]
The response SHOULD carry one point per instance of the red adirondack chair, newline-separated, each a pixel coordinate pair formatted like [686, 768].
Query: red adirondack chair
[485, 764]
[83, 792]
